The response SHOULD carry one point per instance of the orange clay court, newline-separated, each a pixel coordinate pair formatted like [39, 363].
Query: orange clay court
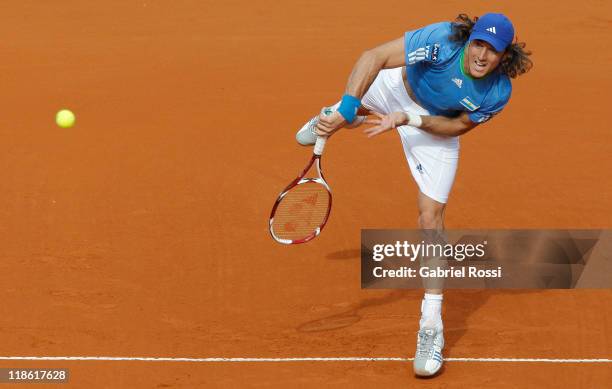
[141, 232]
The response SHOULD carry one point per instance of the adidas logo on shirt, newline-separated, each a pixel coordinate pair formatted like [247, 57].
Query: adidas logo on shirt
[491, 29]
[458, 82]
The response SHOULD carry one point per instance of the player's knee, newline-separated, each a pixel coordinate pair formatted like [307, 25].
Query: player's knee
[430, 220]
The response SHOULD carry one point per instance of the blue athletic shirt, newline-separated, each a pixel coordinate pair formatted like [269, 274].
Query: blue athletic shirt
[434, 67]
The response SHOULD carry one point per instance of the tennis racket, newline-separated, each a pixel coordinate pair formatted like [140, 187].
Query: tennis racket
[302, 209]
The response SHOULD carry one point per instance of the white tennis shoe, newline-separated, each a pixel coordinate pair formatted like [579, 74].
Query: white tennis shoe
[307, 135]
[428, 358]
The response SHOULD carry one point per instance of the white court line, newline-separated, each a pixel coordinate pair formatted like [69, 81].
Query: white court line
[305, 359]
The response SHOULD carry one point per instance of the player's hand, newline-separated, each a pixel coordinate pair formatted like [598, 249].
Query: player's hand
[328, 124]
[384, 123]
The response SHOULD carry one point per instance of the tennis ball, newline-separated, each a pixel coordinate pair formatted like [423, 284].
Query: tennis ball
[65, 118]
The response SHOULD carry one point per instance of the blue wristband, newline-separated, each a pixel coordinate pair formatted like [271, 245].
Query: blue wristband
[348, 107]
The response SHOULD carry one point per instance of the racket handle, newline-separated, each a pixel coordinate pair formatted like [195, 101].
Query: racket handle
[320, 145]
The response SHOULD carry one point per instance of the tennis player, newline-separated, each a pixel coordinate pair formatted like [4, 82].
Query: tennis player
[433, 85]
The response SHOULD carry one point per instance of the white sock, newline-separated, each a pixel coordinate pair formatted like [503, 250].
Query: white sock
[431, 311]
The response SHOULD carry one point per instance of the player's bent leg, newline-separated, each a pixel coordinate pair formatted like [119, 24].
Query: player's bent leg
[307, 135]
[378, 98]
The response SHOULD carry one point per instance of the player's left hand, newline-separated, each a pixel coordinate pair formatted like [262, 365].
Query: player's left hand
[328, 124]
[384, 123]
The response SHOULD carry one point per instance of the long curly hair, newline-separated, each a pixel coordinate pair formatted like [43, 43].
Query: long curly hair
[516, 59]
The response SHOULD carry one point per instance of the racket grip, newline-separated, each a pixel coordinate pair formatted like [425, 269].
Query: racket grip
[320, 145]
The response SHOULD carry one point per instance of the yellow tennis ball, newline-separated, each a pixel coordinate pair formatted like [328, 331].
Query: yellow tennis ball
[65, 118]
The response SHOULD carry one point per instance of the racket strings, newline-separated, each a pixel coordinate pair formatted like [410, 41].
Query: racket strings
[301, 211]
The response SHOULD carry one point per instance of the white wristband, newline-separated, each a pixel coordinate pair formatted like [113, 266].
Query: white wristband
[414, 120]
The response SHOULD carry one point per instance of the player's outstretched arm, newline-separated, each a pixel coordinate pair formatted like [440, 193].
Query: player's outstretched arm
[436, 125]
[386, 56]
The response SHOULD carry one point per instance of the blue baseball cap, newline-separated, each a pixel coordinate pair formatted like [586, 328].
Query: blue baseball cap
[495, 29]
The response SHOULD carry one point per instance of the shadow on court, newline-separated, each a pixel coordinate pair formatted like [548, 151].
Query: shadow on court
[345, 254]
[459, 306]
[352, 314]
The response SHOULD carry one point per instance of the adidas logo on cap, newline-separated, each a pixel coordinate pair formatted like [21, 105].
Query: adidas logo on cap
[495, 29]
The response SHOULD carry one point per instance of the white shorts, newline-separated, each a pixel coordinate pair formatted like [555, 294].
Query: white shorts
[432, 159]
